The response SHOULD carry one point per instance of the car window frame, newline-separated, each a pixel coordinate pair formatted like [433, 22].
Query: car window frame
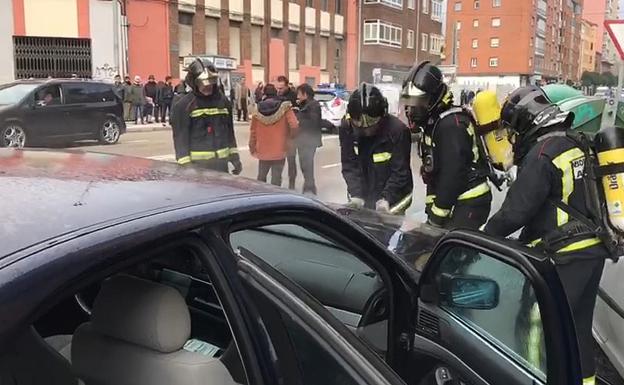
[32, 98]
[563, 362]
[84, 85]
[401, 283]
[312, 316]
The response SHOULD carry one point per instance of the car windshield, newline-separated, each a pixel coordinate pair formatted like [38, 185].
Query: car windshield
[12, 94]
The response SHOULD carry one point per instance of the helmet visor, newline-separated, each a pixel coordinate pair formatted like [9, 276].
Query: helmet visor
[412, 96]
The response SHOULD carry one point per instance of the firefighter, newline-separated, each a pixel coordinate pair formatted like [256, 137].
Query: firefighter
[548, 201]
[203, 128]
[453, 168]
[375, 153]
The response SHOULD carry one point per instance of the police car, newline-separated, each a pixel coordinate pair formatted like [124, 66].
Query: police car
[333, 101]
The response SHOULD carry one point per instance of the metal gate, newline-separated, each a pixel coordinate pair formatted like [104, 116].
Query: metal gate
[41, 57]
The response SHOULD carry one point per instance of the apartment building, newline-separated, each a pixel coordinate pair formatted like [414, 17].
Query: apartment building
[513, 43]
[588, 47]
[396, 34]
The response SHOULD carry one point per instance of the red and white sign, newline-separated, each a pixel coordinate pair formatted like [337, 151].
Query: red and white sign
[615, 28]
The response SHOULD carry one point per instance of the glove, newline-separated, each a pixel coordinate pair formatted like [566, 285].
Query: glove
[238, 166]
[382, 205]
[355, 203]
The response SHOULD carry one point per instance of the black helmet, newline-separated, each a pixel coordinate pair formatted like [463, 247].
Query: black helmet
[367, 105]
[527, 113]
[201, 75]
[423, 91]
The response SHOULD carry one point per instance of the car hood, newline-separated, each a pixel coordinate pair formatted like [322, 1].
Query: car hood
[407, 237]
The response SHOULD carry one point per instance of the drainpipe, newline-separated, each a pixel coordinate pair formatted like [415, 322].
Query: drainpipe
[360, 39]
[417, 37]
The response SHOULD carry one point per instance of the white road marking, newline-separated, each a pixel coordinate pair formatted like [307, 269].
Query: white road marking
[168, 157]
[136, 141]
[331, 165]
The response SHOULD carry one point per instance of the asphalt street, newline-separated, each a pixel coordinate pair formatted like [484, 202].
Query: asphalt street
[156, 142]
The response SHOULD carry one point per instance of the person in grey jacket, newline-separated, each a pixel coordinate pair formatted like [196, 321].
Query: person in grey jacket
[137, 98]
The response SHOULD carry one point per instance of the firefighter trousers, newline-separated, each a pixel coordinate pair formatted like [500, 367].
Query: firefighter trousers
[580, 279]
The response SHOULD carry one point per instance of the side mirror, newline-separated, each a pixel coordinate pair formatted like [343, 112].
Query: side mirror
[471, 292]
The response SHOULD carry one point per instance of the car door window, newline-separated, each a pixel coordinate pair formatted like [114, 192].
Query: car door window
[99, 92]
[76, 93]
[48, 96]
[497, 300]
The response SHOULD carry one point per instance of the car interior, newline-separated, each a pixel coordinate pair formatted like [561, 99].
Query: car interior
[158, 322]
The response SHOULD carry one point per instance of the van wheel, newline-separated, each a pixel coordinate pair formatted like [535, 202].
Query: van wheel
[14, 136]
[109, 131]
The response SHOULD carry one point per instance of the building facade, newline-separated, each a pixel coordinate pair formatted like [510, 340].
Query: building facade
[306, 40]
[396, 34]
[588, 48]
[512, 43]
[60, 38]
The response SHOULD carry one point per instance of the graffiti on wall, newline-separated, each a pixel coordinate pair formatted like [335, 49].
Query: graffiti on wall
[104, 72]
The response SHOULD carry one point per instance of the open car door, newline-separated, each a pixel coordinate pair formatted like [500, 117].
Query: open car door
[495, 313]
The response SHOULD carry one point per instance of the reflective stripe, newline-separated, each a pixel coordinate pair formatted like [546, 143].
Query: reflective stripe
[564, 163]
[233, 150]
[535, 242]
[203, 155]
[429, 199]
[209, 112]
[580, 245]
[428, 141]
[534, 339]
[223, 152]
[475, 149]
[402, 205]
[475, 192]
[381, 157]
[589, 380]
[440, 212]
[184, 160]
[356, 150]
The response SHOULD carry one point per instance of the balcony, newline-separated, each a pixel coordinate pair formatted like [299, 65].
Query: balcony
[277, 14]
[310, 20]
[338, 25]
[212, 8]
[257, 12]
[188, 6]
[294, 16]
[236, 10]
[325, 23]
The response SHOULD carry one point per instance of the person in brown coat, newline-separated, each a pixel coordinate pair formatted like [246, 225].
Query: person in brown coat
[273, 127]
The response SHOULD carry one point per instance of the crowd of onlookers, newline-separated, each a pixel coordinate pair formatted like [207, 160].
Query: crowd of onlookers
[145, 103]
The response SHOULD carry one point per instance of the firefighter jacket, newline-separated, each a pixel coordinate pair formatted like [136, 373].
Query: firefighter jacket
[378, 167]
[552, 171]
[453, 167]
[203, 130]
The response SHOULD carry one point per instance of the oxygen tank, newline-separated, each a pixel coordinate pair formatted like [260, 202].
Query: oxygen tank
[609, 146]
[487, 112]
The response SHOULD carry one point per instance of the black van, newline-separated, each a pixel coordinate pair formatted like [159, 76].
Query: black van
[42, 112]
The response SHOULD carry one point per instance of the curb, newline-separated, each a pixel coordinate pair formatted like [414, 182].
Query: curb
[160, 127]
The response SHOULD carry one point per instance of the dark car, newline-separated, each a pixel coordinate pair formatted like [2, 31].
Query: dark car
[43, 112]
[118, 270]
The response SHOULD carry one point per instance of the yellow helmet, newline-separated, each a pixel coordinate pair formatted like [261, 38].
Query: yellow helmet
[487, 113]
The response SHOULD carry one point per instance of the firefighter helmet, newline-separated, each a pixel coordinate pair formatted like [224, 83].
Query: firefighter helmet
[367, 105]
[423, 90]
[202, 76]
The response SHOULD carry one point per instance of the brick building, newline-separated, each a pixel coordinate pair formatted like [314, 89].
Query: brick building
[396, 34]
[512, 43]
[588, 47]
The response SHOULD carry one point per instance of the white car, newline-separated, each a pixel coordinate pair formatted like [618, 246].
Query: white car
[333, 107]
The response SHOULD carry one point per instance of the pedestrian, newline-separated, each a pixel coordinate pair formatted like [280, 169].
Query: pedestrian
[375, 152]
[307, 140]
[129, 113]
[243, 96]
[453, 169]
[546, 201]
[462, 98]
[119, 88]
[201, 121]
[137, 98]
[273, 128]
[165, 99]
[151, 91]
[470, 97]
[284, 91]
[259, 92]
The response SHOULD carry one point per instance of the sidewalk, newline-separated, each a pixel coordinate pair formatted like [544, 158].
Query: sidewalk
[149, 127]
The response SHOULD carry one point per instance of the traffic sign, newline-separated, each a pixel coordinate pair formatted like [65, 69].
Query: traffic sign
[615, 28]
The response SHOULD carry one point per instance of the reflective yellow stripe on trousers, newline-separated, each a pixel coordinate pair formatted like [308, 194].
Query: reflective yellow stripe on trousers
[475, 192]
[207, 155]
[402, 204]
[381, 157]
[209, 112]
[564, 163]
[184, 160]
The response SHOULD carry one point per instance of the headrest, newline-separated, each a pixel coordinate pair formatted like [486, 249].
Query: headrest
[143, 313]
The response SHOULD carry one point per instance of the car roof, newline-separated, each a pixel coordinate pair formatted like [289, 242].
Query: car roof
[46, 194]
[58, 80]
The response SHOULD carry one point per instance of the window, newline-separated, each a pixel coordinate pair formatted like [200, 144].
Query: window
[411, 4]
[51, 95]
[435, 47]
[235, 43]
[425, 6]
[496, 22]
[458, 25]
[185, 34]
[309, 3]
[256, 45]
[512, 322]
[323, 53]
[410, 39]
[324, 5]
[381, 32]
[475, 5]
[493, 62]
[494, 42]
[338, 7]
[424, 42]
[475, 43]
[496, 3]
[475, 23]
[212, 41]
[391, 3]
[436, 10]
[99, 92]
[473, 62]
[458, 6]
[309, 42]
